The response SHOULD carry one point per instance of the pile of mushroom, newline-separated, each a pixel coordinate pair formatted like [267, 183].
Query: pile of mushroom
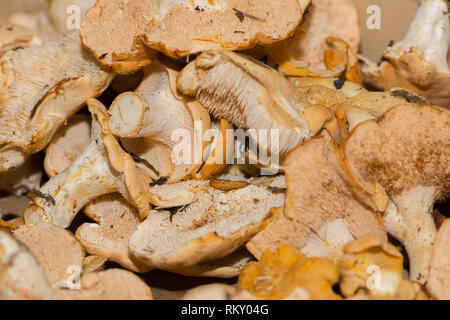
[246, 146]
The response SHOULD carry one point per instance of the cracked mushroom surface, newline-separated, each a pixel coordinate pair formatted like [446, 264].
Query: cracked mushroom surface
[320, 214]
[212, 227]
[41, 87]
[418, 62]
[400, 164]
[134, 26]
[103, 168]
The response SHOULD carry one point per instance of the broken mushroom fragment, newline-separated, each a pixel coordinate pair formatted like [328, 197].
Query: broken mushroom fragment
[116, 221]
[68, 143]
[248, 94]
[56, 250]
[14, 37]
[21, 276]
[226, 24]
[320, 214]
[103, 168]
[400, 165]
[41, 87]
[418, 62]
[212, 227]
[372, 264]
[279, 273]
[438, 284]
[160, 126]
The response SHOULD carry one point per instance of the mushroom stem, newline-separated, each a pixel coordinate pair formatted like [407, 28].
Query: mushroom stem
[408, 218]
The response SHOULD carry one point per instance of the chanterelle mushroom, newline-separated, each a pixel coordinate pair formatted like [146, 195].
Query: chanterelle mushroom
[406, 155]
[212, 227]
[439, 280]
[129, 26]
[418, 62]
[103, 168]
[250, 95]
[158, 123]
[41, 87]
[320, 214]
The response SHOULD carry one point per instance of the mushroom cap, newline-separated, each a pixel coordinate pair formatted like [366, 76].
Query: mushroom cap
[214, 291]
[13, 205]
[116, 221]
[13, 37]
[248, 94]
[439, 280]
[365, 253]
[327, 18]
[212, 227]
[318, 202]
[41, 87]
[55, 249]
[68, 144]
[21, 276]
[25, 178]
[160, 25]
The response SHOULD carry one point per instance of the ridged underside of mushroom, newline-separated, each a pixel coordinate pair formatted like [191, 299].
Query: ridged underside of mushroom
[230, 24]
[30, 74]
[248, 94]
[214, 226]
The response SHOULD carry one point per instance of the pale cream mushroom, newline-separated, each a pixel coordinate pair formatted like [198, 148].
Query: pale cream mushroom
[41, 87]
[212, 227]
[214, 291]
[320, 214]
[13, 205]
[118, 32]
[248, 94]
[438, 284]
[68, 143]
[103, 168]
[418, 62]
[13, 37]
[21, 276]
[116, 221]
[160, 126]
[56, 250]
[399, 164]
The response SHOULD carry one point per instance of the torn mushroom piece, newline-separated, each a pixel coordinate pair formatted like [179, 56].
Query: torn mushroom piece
[103, 168]
[14, 37]
[56, 250]
[418, 62]
[212, 227]
[132, 25]
[320, 213]
[21, 276]
[439, 280]
[162, 128]
[41, 87]
[404, 154]
[68, 143]
[283, 272]
[116, 221]
[250, 95]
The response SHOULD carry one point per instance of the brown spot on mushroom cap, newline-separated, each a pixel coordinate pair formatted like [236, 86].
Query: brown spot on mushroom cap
[317, 198]
[438, 284]
[56, 250]
[404, 154]
[116, 221]
[41, 88]
[214, 226]
[161, 25]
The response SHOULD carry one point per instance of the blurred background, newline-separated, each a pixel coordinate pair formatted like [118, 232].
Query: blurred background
[395, 18]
